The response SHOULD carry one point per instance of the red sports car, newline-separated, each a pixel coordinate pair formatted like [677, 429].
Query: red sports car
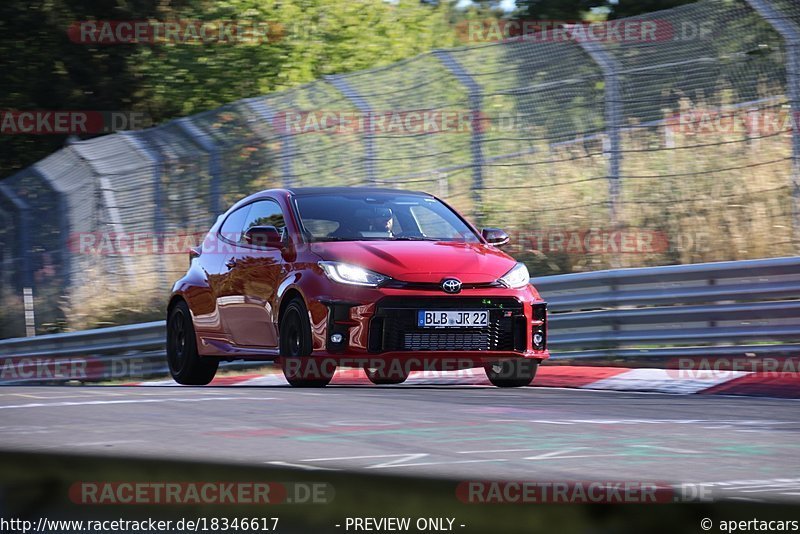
[390, 281]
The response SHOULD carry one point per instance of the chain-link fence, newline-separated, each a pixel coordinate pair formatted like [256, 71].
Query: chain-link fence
[668, 138]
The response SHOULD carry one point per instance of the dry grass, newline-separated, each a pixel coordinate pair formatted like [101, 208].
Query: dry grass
[712, 197]
[103, 300]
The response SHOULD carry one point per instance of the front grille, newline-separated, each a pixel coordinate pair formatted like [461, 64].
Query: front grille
[394, 326]
[437, 286]
[446, 341]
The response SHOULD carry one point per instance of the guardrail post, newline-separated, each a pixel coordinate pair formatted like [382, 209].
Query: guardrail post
[791, 36]
[613, 118]
[137, 139]
[214, 164]
[268, 115]
[24, 274]
[362, 106]
[475, 95]
[30, 317]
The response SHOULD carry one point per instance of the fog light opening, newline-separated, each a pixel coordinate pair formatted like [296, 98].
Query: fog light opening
[538, 340]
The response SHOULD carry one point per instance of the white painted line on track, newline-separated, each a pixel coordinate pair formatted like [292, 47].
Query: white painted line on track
[551, 422]
[399, 462]
[439, 463]
[556, 454]
[667, 449]
[365, 457]
[104, 443]
[496, 451]
[301, 466]
[124, 401]
[571, 456]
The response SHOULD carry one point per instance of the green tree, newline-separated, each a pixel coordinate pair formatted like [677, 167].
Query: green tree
[44, 69]
[571, 10]
[561, 10]
[630, 8]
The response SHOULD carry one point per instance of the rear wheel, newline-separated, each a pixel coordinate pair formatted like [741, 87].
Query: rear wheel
[383, 376]
[299, 368]
[186, 365]
[512, 373]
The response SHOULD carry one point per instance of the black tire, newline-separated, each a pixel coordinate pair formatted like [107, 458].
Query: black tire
[299, 368]
[381, 377]
[512, 373]
[186, 365]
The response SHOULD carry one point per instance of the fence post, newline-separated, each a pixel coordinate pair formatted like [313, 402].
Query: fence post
[268, 115]
[214, 164]
[475, 95]
[364, 108]
[790, 33]
[115, 219]
[613, 118]
[64, 227]
[24, 274]
[138, 140]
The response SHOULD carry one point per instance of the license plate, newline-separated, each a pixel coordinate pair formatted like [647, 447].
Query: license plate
[452, 318]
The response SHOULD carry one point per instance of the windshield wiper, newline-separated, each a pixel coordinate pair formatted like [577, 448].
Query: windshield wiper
[415, 238]
[387, 238]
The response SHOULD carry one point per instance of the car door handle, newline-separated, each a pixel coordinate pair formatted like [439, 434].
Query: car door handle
[231, 263]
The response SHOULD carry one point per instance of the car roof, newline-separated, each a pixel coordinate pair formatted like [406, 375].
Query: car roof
[303, 191]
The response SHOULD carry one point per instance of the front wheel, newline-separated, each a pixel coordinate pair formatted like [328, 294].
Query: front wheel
[186, 365]
[512, 373]
[299, 367]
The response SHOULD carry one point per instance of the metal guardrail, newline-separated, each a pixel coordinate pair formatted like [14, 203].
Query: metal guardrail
[734, 308]
[743, 308]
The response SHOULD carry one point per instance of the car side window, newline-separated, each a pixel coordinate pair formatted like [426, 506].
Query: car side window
[232, 227]
[264, 213]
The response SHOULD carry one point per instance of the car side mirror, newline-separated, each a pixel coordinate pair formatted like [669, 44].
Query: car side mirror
[263, 236]
[495, 236]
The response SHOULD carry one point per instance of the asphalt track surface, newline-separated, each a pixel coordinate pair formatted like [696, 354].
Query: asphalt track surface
[737, 447]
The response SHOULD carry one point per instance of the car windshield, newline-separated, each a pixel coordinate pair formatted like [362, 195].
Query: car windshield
[380, 217]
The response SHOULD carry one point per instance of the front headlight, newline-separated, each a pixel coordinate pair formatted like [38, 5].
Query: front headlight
[517, 277]
[344, 273]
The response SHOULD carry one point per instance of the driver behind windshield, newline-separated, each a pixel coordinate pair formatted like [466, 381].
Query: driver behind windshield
[369, 222]
[380, 220]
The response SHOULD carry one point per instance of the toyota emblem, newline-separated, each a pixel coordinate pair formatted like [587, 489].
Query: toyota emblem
[451, 285]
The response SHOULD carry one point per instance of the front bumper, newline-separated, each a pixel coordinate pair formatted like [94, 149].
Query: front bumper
[386, 328]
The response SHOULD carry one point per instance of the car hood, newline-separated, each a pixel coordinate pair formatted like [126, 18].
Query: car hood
[421, 261]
